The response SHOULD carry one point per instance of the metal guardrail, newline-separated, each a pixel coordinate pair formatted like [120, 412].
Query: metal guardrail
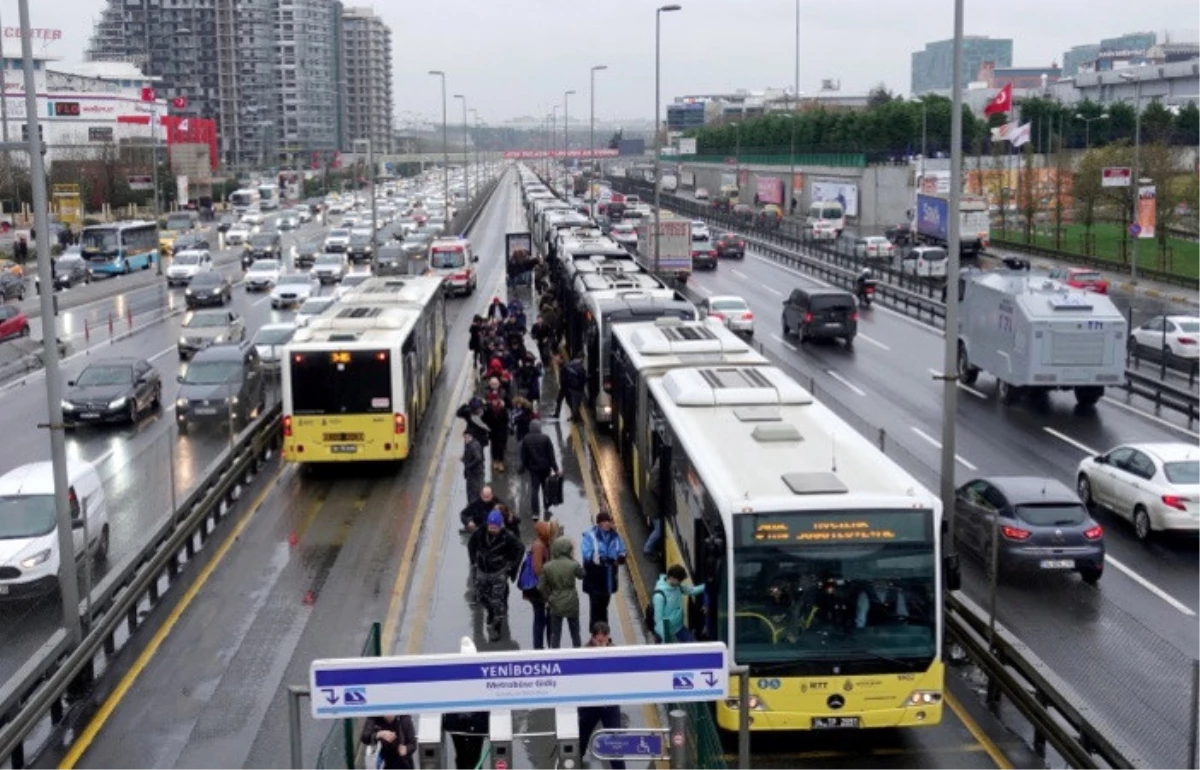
[44, 685]
[1163, 395]
[1015, 672]
[1089, 261]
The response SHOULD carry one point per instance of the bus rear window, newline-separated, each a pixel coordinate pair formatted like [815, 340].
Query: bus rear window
[328, 382]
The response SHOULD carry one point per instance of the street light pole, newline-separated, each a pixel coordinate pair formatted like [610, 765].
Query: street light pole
[792, 114]
[592, 119]
[445, 148]
[566, 125]
[1137, 167]
[553, 142]
[658, 134]
[1087, 127]
[466, 163]
[478, 170]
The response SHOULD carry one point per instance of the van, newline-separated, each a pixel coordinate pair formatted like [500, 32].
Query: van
[925, 262]
[222, 385]
[819, 313]
[29, 554]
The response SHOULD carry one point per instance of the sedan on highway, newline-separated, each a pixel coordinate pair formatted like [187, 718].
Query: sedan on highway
[312, 307]
[625, 234]
[112, 390]
[700, 230]
[731, 311]
[270, 342]
[731, 246]
[701, 193]
[12, 287]
[704, 253]
[186, 265]
[1156, 486]
[1081, 278]
[874, 248]
[202, 328]
[359, 247]
[13, 322]
[238, 234]
[1175, 336]
[337, 240]
[330, 268]
[263, 274]
[209, 288]
[292, 289]
[1042, 524]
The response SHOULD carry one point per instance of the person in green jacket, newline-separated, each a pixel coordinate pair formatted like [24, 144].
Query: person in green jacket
[557, 586]
[668, 606]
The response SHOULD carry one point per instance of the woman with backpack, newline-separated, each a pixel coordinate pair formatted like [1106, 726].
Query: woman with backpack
[531, 572]
[665, 613]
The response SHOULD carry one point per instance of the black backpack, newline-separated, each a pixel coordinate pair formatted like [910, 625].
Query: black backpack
[648, 613]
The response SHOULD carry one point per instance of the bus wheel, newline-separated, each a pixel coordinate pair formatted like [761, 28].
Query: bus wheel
[127, 270]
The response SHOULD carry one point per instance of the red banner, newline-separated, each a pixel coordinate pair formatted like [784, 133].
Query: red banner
[529, 154]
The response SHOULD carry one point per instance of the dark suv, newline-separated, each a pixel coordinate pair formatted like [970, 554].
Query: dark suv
[819, 313]
[223, 384]
[731, 245]
[262, 246]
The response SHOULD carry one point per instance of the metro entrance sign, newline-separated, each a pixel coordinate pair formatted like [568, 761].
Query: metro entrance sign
[587, 676]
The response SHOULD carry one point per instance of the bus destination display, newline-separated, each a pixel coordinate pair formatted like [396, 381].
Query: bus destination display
[836, 527]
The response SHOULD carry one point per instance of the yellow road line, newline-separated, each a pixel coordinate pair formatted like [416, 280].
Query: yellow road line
[977, 732]
[432, 562]
[89, 733]
[889, 751]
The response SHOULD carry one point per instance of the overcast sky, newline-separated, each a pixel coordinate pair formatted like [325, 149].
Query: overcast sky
[517, 57]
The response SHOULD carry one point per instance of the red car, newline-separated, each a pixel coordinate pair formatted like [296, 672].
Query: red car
[1081, 278]
[13, 322]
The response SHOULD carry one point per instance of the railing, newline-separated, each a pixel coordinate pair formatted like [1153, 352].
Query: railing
[39, 691]
[1163, 395]
[1105, 264]
[341, 746]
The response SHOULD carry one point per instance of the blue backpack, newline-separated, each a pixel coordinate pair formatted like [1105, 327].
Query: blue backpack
[526, 578]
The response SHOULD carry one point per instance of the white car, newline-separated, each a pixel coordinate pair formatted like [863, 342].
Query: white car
[701, 193]
[824, 231]
[312, 307]
[731, 311]
[874, 247]
[270, 341]
[925, 262]
[304, 214]
[350, 283]
[699, 230]
[330, 268]
[351, 221]
[238, 234]
[1176, 335]
[1156, 486]
[253, 218]
[338, 240]
[186, 265]
[624, 233]
[263, 274]
[292, 289]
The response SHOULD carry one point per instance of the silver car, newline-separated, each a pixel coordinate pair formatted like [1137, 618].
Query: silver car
[330, 268]
[731, 311]
[202, 328]
[270, 342]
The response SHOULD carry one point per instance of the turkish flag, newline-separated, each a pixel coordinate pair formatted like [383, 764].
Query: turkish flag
[148, 95]
[179, 102]
[1002, 102]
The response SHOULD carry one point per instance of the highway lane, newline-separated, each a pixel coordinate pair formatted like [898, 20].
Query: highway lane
[1129, 628]
[134, 462]
[303, 577]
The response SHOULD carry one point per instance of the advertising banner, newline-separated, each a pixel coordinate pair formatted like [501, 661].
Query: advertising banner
[728, 179]
[842, 192]
[743, 179]
[769, 189]
[797, 184]
[1116, 176]
[687, 146]
[687, 178]
[1146, 211]
[140, 182]
[528, 154]
[181, 190]
[934, 183]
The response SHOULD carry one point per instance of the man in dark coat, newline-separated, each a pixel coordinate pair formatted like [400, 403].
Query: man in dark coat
[496, 554]
[397, 739]
[539, 459]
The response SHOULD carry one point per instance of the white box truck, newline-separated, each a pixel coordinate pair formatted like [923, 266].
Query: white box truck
[1035, 334]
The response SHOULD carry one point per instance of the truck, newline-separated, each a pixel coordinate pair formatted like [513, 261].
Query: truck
[675, 246]
[1034, 334]
[670, 183]
[932, 222]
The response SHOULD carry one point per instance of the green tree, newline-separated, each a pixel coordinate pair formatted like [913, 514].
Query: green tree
[615, 141]
[1088, 190]
[879, 96]
[1187, 128]
[1157, 123]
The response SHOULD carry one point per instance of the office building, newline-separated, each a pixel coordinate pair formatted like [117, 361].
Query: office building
[307, 79]
[932, 68]
[367, 53]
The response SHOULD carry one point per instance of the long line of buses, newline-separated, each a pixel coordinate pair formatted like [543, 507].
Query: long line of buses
[821, 557]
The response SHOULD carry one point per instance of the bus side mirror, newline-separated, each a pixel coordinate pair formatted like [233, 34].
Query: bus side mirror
[951, 572]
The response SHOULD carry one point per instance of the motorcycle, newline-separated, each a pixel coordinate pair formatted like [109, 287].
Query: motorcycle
[866, 292]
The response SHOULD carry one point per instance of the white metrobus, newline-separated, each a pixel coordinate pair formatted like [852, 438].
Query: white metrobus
[819, 554]
[412, 291]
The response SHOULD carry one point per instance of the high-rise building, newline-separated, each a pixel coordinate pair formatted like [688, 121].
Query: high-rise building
[1111, 53]
[932, 68]
[1079, 56]
[367, 53]
[307, 78]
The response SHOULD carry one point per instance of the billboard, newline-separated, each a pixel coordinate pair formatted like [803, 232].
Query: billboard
[527, 154]
[1116, 176]
[1146, 211]
[934, 183]
[842, 192]
[687, 178]
[769, 189]
[687, 146]
[626, 147]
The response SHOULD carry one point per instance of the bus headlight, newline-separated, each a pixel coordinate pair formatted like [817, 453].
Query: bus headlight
[756, 703]
[923, 698]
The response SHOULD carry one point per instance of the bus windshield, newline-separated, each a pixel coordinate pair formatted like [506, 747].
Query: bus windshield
[855, 589]
[340, 382]
[99, 241]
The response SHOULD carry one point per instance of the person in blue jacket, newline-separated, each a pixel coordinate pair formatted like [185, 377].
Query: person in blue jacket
[669, 623]
[603, 553]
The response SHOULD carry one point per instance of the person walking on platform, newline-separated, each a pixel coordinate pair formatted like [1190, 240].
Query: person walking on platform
[572, 380]
[512, 522]
[557, 584]
[474, 465]
[539, 555]
[496, 416]
[603, 552]
[539, 459]
[542, 334]
[397, 739]
[521, 416]
[496, 554]
[474, 515]
[472, 413]
[591, 717]
[497, 311]
[669, 623]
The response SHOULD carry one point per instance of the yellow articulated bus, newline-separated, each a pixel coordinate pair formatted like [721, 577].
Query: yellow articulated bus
[819, 555]
[411, 291]
[357, 381]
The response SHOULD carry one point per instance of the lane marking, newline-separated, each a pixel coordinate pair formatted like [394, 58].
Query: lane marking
[1152, 417]
[846, 382]
[739, 273]
[962, 386]
[703, 291]
[1144, 583]
[934, 442]
[1077, 444]
[162, 353]
[784, 342]
[773, 290]
[89, 733]
[993, 751]
[874, 341]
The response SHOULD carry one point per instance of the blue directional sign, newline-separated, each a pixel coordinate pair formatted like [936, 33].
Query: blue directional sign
[611, 745]
[1135, 229]
[521, 679]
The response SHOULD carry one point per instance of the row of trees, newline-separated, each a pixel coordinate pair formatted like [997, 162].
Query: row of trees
[892, 127]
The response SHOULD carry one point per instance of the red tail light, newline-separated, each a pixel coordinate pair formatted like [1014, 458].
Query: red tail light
[747, 316]
[1186, 340]
[1094, 533]
[718, 316]
[1015, 533]
[712, 254]
[287, 426]
[1175, 501]
[870, 289]
[741, 243]
[401, 423]
[808, 317]
[695, 253]
[854, 316]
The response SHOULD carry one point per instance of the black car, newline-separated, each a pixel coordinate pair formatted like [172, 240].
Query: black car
[114, 390]
[223, 384]
[11, 286]
[208, 289]
[262, 246]
[360, 249]
[227, 221]
[900, 234]
[731, 246]
[194, 241]
[308, 250]
[1042, 523]
[819, 313]
[391, 260]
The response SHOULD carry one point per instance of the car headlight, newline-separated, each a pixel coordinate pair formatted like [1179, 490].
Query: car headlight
[67, 406]
[38, 558]
[181, 403]
[183, 340]
[219, 339]
[231, 400]
[117, 403]
[188, 291]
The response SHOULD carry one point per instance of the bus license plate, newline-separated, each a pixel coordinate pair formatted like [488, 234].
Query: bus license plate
[834, 723]
[1058, 564]
[343, 449]
[206, 410]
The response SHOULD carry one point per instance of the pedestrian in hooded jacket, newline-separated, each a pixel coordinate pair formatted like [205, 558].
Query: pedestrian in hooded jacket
[603, 552]
[474, 465]
[496, 555]
[669, 623]
[539, 555]
[397, 739]
[557, 585]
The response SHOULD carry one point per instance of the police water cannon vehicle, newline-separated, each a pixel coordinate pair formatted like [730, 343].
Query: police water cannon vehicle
[1034, 334]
